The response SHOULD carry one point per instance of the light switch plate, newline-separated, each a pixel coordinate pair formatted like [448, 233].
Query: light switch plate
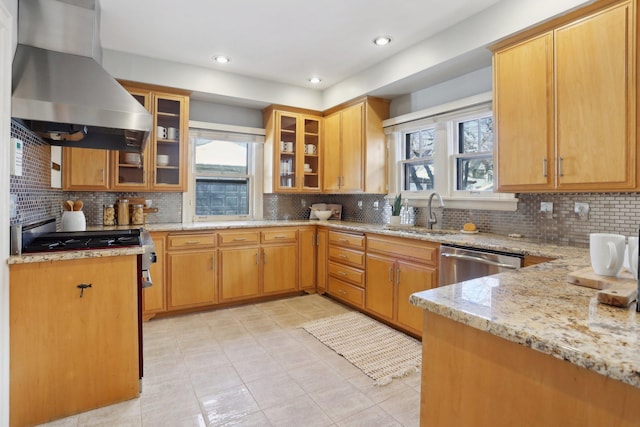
[546, 206]
[13, 206]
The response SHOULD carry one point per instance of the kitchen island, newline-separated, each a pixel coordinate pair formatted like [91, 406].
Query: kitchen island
[528, 348]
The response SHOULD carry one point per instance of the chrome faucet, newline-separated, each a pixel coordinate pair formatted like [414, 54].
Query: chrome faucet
[431, 216]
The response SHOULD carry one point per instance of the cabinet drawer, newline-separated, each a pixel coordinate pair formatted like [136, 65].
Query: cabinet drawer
[271, 236]
[418, 250]
[238, 238]
[191, 241]
[346, 256]
[349, 274]
[346, 292]
[347, 240]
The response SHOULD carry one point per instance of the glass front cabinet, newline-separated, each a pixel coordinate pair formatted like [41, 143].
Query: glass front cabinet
[163, 164]
[292, 151]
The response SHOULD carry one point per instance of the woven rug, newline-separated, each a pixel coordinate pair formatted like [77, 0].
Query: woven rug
[377, 350]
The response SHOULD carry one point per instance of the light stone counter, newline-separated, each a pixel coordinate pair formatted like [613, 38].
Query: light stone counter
[69, 255]
[537, 307]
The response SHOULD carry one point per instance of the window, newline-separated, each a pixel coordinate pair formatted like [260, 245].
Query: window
[449, 150]
[226, 173]
[474, 154]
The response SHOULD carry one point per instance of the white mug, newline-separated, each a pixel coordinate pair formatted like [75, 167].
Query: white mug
[172, 133]
[607, 253]
[288, 147]
[633, 256]
[310, 149]
[161, 132]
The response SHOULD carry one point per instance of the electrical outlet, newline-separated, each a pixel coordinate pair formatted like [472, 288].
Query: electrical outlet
[581, 208]
[376, 205]
[360, 204]
[546, 207]
[13, 205]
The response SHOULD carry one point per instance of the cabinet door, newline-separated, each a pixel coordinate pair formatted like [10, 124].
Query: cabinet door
[322, 259]
[71, 353]
[169, 140]
[288, 150]
[192, 278]
[412, 278]
[239, 273]
[380, 289]
[523, 110]
[331, 154]
[130, 171]
[595, 101]
[153, 298]
[85, 169]
[307, 246]
[352, 149]
[280, 265]
[310, 160]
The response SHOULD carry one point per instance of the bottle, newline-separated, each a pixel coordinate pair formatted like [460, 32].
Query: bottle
[123, 212]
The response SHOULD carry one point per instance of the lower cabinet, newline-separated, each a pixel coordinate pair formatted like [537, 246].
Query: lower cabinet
[322, 257]
[239, 273]
[345, 269]
[72, 349]
[154, 298]
[191, 270]
[308, 248]
[396, 268]
[280, 268]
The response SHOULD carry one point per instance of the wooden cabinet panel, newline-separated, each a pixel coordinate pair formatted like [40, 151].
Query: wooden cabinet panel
[343, 272]
[235, 238]
[412, 278]
[239, 273]
[192, 278]
[85, 169]
[307, 261]
[153, 298]
[332, 150]
[380, 289]
[322, 259]
[565, 103]
[353, 241]
[352, 149]
[347, 256]
[594, 74]
[280, 268]
[191, 241]
[69, 353]
[279, 235]
[421, 251]
[346, 292]
[524, 150]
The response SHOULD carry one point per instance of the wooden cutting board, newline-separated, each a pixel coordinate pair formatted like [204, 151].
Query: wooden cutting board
[586, 277]
[618, 291]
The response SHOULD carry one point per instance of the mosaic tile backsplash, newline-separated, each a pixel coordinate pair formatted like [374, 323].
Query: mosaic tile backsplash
[608, 212]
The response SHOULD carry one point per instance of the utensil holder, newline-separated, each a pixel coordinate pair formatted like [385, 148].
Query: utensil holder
[73, 221]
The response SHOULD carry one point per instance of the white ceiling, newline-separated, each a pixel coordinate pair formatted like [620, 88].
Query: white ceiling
[284, 41]
[276, 45]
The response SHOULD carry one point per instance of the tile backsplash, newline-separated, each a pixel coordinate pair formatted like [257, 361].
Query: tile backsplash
[608, 212]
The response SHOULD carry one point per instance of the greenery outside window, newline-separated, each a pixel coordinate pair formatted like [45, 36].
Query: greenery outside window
[474, 154]
[418, 167]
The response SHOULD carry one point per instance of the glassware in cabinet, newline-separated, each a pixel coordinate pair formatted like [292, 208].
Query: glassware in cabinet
[170, 140]
[287, 149]
[311, 148]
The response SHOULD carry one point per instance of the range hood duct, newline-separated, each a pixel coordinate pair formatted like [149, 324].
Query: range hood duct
[60, 90]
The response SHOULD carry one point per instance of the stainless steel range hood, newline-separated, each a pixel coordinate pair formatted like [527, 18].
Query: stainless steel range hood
[61, 91]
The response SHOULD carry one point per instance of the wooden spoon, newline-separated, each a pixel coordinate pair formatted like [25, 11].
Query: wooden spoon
[77, 206]
[64, 205]
[70, 204]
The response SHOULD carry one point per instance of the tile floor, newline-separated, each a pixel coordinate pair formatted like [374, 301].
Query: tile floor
[253, 366]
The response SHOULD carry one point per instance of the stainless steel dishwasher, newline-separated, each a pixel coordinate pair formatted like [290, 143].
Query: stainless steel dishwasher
[460, 263]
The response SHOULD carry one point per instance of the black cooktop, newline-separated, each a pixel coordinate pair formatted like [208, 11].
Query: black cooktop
[78, 240]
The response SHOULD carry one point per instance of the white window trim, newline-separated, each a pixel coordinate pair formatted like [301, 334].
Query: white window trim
[442, 116]
[256, 163]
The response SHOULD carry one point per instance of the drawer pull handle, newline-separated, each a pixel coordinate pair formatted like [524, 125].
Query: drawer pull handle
[390, 274]
[279, 237]
[343, 240]
[239, 239]
[192, 242]
[343, 256]
[342, 273]
[341, 292]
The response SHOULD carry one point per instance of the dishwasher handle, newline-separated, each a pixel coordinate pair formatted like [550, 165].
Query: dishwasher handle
[479, 260]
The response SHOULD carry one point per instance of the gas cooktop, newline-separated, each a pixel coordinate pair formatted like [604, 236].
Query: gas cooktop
[78, 240]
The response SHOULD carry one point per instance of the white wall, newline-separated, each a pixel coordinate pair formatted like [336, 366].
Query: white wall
[226, 114]
[8, 39]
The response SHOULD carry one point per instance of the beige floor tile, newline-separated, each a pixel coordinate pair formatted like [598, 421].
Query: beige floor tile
[63, 422]
[126, 414]
[404, 407]
[220, 378]
[374, 416]
[315, 377]
[342, 402]
[301, 411]
[258, 367]
[274, 391]
[228, 405]
[379, 393]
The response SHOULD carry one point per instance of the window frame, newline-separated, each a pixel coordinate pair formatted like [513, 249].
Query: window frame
[255, 153]
[445, 118]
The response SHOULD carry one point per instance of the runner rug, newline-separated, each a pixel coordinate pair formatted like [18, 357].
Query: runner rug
[377, 350]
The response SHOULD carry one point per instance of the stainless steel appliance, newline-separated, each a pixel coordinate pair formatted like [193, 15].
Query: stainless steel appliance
[460, 263]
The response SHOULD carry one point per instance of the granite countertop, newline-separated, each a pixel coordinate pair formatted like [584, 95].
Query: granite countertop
[537, 307]
[69, 255]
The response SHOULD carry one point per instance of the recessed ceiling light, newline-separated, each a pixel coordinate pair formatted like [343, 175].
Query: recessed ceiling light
[315, 80]
[382, 40]
[221, 59]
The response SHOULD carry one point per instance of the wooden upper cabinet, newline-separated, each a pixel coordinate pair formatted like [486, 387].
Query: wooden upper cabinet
[85, 169]
[355, 147]
[293, 153]
[565, 103]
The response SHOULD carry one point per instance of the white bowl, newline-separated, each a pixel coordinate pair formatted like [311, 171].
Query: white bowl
[323, 215]
[162, 159]
[132, 158]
